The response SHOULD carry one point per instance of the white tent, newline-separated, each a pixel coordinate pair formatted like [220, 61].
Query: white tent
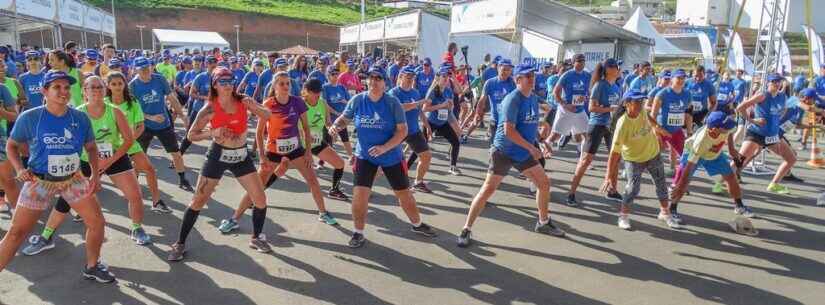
[639, 24]
[187, 39]
[18, 17]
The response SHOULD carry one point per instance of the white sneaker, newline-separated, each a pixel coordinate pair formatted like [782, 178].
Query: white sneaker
[663, 216]
[821, 200]
[624, 222]
[532, 188]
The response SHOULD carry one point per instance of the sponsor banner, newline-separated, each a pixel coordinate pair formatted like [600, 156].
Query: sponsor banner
[489, 15]
[349, 34]
[44, 9]
[372, 31]
[108, 24]
[71, 12]
[93, 19]
[593, 52]
[401, 26]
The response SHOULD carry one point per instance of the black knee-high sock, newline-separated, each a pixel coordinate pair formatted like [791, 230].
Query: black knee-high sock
[189, 218]
[455, 145]
[271, 180]
[336, 178]
[258, 217]
[542, 162]
[565, 140]
[184, 145]
[411, 160]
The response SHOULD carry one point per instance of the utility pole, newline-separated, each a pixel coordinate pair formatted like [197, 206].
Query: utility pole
[140, 29]
[238, 38]
[114, 31]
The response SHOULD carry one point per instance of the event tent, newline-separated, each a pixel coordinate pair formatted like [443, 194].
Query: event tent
[298, 50]
[639, 24]
[18, 17]
[548, 29]
[187, 39]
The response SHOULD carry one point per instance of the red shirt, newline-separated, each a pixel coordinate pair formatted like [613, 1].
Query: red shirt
[235, 122]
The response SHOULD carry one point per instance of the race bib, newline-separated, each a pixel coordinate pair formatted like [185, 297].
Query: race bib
[578, 100]
[105, 150]
[63, 165]
[697, 105]
[233, 155]
[771, 140]
[443, 114]
[285, 146]
[788, 126]
[722, 97]
[675, 119]
[317, 140]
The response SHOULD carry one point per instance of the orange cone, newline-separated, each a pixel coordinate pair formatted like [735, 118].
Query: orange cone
[816, 155]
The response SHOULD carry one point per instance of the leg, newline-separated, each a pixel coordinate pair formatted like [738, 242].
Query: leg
[423, 165]
[312, 182]
[487, 190]
[8, 184]
[127, 183]
[89, 209]
[143, 165]
[632, 186]
[246, 202]
[22, 223]
[783, 150]
[537, 175]
[203, 191]
[330, 156]
[255, 190]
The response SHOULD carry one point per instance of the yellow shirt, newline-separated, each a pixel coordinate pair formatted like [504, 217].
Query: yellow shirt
[87, 68]
[635, 139]
[702, 146]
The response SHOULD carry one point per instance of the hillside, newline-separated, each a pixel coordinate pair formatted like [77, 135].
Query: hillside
[335, 12]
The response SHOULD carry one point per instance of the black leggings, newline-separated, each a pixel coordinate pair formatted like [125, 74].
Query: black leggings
[448, 133]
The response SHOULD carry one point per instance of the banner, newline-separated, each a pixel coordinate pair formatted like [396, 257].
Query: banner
[707, 51]
[93, 19]
[783, 58]
[489, 15]
[349, 34]
[816, 47]
[71, 12]
[537, 48]
[109, 26]
[403, 26]
[593, 52]
[372, 31]
[43, 9]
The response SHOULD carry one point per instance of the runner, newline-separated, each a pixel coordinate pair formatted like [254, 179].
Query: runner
[318, 118]
[702, 96]
[226, 114]
[670, 107]
[424, 78]
[704, 149]
[350, 80]
[113, 138]
[8, 113]
[494, 92]
[571, 94]
[442, 121]
[796, 117]
[740, 91]
[250, 81]
[283, 148]
[381, 126]
[763, 131]
[90, 65]
[166, 68]
[199, 90]
[55, 170]
[180, 78]
[31, 81]
[635, 142]
[604, 98]
[238, 71]
[645, 81]
[153, 92]
[337, 97]
[320, 70]
[299, 70]
[513, 146]
[412, 102]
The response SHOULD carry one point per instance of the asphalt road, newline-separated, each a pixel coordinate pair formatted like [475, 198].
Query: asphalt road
[509, 264]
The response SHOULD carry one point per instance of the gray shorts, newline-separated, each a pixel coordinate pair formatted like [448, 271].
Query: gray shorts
[500, 163]
[634, 178]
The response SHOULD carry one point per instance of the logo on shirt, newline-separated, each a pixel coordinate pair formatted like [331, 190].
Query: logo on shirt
[717, 148]
[102, 133]
[151, 97]
[55, 141]
[373, 121]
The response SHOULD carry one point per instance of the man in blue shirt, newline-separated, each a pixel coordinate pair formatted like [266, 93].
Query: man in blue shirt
[31, 81]
[645, 81]
[153, 92]
[395, 68]
[514, 146]
[492, 70]
[424, 78]
[198, 96]
[320, 70]
[819, 85]
[541, 80]
[702, 95]
[494, 91]
[571, 93]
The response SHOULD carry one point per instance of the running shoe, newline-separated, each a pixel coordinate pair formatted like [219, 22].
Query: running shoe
[77, 218]
[38, 244]
[792, 178]
[176, 253]
[140, 237]
[424, 229]
[161, 207]
[228, 225]
[5, 208]
[718, 188]
[624, 222]
[548, 228]
[571, 201]
[464, 238]
[744, 211]
[455, 171]
[260, 244]
[463, 139]
[662, 216]
[532, 188]
[337, 194]
[678, 218]
[778, 189]
[821, 200]
[615, 196]
[317, 167]
[98, 273]
[422, 187]
[672, 223]
[327, 218]
[357, 240]
[185, 185]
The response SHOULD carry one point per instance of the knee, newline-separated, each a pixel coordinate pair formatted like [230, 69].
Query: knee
[425, 156]
[542, 182]
[95, 221]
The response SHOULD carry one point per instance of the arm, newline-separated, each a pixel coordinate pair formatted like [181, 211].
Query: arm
[307, 134]
[9, 114]
[742, 109]
[255, 108]
[22, 100]
[397, 138]
[176, 106]
[196, 132]
[13, 152]
[91, 150]
[242, 86]
[260, 130]
[125, 134]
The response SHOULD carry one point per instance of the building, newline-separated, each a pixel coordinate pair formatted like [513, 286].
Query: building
[405, 4]
[723, 13]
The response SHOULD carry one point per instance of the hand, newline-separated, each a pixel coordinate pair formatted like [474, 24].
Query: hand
[428, 132]
[608, 185]
[104, 164]
[759, 122]
[677, 193]
[333, 130]
[535, 153]
[218, 133]
[377, 150]
[308, 158]
[25, 176]
[94, 182]
[546, 150]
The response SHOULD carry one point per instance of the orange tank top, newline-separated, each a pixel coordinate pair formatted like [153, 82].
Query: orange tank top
[235, 122]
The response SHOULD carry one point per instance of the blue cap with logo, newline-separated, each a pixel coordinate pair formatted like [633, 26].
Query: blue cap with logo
[774, 77]
[54, 75]
[376, 71]
[679, 73]
[665, 74]
[211, 59]
[427, 61]
[408, 70]
[633, 96]
[115, 63]
[280, 62]
[610, 62]
[198, 58]
[91, 54]
[497, 59]
[187, 60]
[257, 62]
[505, 62]
[333, 69]
[33, 54]
[808, 92]
[525, 69]
[141, 62]
[719, 119]
[445, 69]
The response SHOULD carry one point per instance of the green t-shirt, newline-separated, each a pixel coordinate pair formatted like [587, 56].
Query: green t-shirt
[317, 118]
[107, 136]
[167, 70]
[76, 89]
[134, 116]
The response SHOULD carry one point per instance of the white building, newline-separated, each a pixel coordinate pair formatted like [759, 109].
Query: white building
[723, 13]
[445, 5]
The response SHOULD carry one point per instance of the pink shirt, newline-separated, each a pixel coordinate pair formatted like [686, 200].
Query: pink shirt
[350, 81]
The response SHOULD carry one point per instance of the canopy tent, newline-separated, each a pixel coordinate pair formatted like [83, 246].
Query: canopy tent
[548, 29]
[20, 17]
[639, 24]
[298, 50]
[187, 39]
[426, 34]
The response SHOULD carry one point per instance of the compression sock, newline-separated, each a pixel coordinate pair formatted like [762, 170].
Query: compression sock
[189, 218]
[336, 178]
[258, 217]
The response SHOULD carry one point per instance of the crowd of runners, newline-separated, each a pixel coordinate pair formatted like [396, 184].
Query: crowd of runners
[71, 116]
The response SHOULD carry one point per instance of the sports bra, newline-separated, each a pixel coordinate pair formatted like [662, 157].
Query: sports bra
[235, 122]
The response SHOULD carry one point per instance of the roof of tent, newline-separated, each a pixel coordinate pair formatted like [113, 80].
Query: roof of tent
[189, 38]
[298, 50]
[639, 24]
[564, 23]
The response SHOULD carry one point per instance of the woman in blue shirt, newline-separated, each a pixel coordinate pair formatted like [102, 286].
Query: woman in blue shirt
[381, 126]
[441, 119]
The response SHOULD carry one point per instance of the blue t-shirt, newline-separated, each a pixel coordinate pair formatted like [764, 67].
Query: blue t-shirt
[298, 75]
[771, 110]
[180, 80]
[496, 89]
[793, 114]
[6, 99]
[629, 80]
[699, 93]
[31, 86]
[423, 82]
[644, 84]
[725, 91]
[11, 67]
[336, 96]
[672, 112]
[523, 112]
[607, 95]
[489, 74]
[251, 81]
[201, 85]
[405, 97]
[392, 72]
[319, 75]
[575, 84]
[375, 124]
[551, 86]
[541, 86]
[152, 98]
[238, 75]
[190, 76]
[740, 89]
[49, 135]
[799, 83]
[439, 117]
[263, 83]
[819, 85]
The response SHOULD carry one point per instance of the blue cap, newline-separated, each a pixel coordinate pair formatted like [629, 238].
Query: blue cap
[377, 71]
[33, 54]
[4, 50]
[92, 54]
[610, 62]
[280, 62]
[445, 69]
[547, 64]
[54, 75]
[634, 95]
[524, 69]
[719, 119]
[774, 77]
[505, 62]
[350, 62]
[115, 63]
[233, 60]
[408, 70]
[497, 59]
[332, 69]
[620, 62]
[166, 56]
[665, 74]
[808, 92]
[187, 60]
[141, 62]
[679, 73]
[211, 59]
[365, 60]
[427, 61]
[198, 58]
[257, 62]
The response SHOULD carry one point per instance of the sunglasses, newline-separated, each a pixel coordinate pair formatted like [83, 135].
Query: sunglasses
[333, 73]
[225, 82]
